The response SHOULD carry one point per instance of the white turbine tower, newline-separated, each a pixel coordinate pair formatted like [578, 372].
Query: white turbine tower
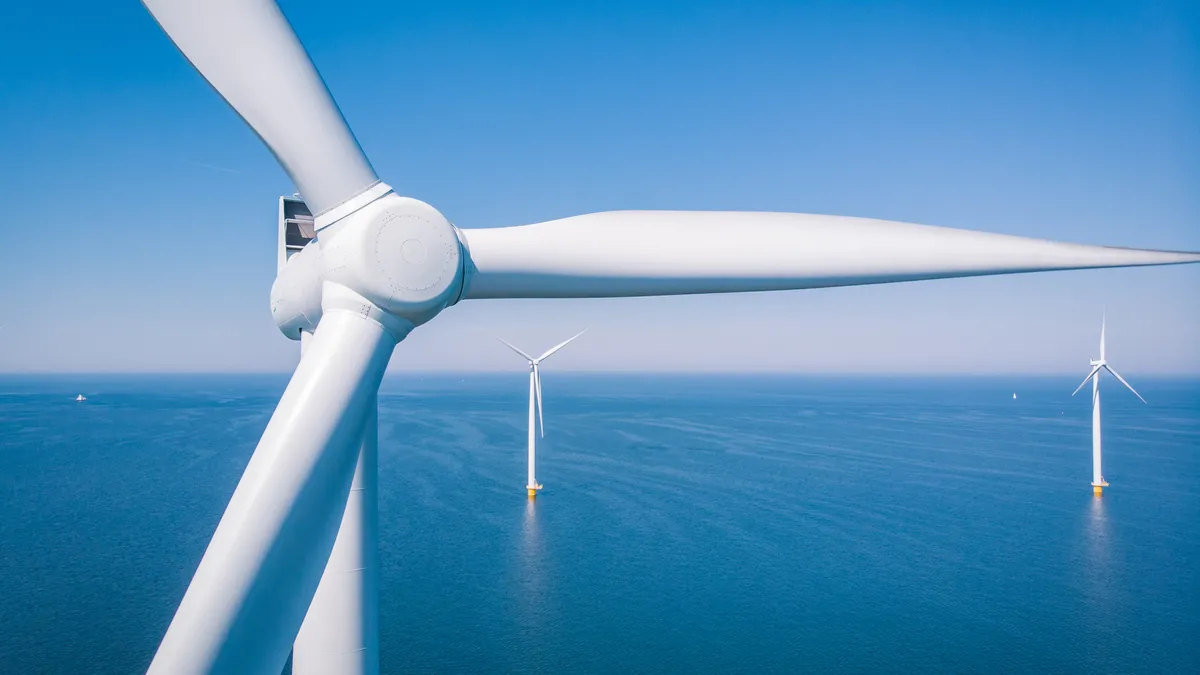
[381, 265]
[1098, 482]
[537, 422]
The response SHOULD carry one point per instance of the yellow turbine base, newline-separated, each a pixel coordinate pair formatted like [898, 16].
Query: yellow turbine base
[1096, 490]
[533, 493]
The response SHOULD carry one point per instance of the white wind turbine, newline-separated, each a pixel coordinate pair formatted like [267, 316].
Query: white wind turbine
[535, 404]
[381, 265]
[1098, 482]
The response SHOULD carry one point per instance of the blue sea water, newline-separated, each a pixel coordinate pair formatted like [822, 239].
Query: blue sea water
[688, 524]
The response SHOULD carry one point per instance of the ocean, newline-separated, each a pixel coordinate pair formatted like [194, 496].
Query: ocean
[689, 524]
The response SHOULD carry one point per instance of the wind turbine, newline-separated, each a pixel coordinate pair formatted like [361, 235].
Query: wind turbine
[1098, 482]
[535, 404]
[381, 265]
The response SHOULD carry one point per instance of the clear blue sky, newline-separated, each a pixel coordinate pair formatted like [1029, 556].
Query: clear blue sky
[139, 214]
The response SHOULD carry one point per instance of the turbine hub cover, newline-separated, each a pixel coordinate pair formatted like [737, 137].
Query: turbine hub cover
[399, 253]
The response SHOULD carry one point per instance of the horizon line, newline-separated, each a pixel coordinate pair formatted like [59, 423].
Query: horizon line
[518, 371]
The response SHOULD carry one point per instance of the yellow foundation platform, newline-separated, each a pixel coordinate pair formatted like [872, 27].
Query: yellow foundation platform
[533, 490]
[1098, 488]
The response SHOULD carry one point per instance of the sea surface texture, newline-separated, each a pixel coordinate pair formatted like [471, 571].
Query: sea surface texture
[687, 525]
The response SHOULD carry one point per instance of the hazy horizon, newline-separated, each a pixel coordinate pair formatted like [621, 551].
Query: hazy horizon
[394, 375]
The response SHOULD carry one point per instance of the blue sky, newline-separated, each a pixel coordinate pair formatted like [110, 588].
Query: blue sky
[140, 211]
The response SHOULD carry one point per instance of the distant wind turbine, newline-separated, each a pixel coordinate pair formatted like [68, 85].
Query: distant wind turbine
[1098, 482]
[536, 422]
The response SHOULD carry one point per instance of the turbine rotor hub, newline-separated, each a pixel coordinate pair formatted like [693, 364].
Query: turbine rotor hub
[400, 254]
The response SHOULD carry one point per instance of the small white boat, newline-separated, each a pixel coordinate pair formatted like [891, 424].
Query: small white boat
[1014, 395]
[80, 398]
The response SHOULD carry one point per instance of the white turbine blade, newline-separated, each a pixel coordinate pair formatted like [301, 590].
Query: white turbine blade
[1103, 321]
[560, 345]
[1086, 379]
[248, 52]
[639, 253]
[537, 386]
[507, 344]
[1122, 380]
[249, 595]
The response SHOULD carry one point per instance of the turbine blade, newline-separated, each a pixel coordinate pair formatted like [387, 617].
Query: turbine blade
[507, 344]
[248, 52]
[639, 253]
[1103, 322]
[537, 386]
[246, 602]
[1122, 381]
[1086, 380]
[560, 345]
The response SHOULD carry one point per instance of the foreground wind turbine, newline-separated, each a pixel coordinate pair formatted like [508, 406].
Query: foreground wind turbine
[1098, 482]
[381, 264]
[535, 404]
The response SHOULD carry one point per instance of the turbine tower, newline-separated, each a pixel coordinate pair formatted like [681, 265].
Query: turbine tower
[380, 265]
[535, 405]
[1098, 482]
